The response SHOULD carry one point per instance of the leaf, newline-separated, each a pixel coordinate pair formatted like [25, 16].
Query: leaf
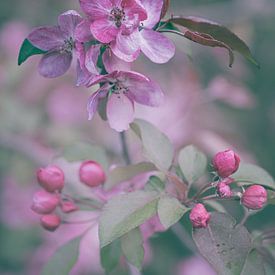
[132, 247]
[254, 264]
[124, 213]
[223, 244]
[157, 146]
[216, 206]
[192, 163]
[155, 184]
[110, 255]
[248, 174]
[85, 151]
[165, 7]
[63, 259]
[218, 32]
[27, 50]
[170, 210]
[120, 174]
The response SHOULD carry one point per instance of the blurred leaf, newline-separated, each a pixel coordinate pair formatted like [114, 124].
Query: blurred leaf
[254, 264]
[170, 210]
[27, 50]
[154, 184]
[110, 255]
[86, 151]
[248, 174]
[120, 174]
[218, 32]
[223, 244]
[157, 146]
[124, 213]
[192, 163]
[216, 205]
[63, 259]
[132, 247]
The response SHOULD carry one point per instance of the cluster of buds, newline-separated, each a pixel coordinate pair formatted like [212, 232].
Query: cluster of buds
[49, 201]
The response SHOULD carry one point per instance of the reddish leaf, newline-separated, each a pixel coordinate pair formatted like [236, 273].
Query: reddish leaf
[165, 7]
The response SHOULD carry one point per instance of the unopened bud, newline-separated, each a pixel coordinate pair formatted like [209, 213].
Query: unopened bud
[254, 197]
[51, 178]
[199, 216]
[44, 202]
[68, 207]
[226, 163]
[50, 222]
[224, 190]
[91, 173]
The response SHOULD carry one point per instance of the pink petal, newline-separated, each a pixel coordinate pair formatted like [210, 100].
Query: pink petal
[47, 38]
[68, 22]
[91, 59]
[83, 32]
[113, 63]
[153, 8]
[96, 9]
[126, 47]
[134, 7]
[156, 46]
[104, 30]
[120, 112]
[54, 64]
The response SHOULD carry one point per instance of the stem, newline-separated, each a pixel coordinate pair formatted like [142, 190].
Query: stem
[174, 32]
[125, 151]
[245, 217]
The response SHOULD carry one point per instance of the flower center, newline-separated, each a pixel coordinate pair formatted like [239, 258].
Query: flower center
[119, 88]
[68, 46]
[117, 15]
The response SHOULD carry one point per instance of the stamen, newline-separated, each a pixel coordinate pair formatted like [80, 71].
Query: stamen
[117, 15]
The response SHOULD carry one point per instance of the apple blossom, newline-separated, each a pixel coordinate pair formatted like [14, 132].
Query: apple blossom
[44, 202]
[50, 222]
[199, 216]
[254, 197]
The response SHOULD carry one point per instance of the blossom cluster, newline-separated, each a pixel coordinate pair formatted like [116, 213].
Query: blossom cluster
[103, 44]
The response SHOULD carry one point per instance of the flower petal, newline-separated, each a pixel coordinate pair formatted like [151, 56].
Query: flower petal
[153, 8]
[96, 9]
[133, 8]
[113, 63]
[120, 112]
[68, 22]
[83, 32]
[47, 38]
[142, 89]
[91, 59]
[54, 64]
[104, 30]
[156, 46]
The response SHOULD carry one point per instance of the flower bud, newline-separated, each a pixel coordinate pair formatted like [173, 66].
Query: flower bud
[254, 197]
[224, 190]
[68, 207]
[44, 202]
[91, 173]
[51, 178]
[199, 216]
[226, 163]
[50, 222]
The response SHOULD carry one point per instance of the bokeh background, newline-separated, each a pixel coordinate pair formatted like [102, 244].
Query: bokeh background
[207, 104]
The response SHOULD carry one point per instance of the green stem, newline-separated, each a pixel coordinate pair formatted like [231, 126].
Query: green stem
[125, 151]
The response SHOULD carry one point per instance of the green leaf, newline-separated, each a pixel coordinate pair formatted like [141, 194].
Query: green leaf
[155, 184]
[157, 146]
[63, 259]
[110, 255]
[124, 213]
[170, 210]
[254, 264]
[132, 247]
[216, 205]
[223, 244]
[192, 163]
[248, 174]
[27, 50]
[120, 174]
[86, 151]
[218, 32]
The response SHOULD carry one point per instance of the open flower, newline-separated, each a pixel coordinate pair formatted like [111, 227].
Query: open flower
[127, 26]
[122, 89]
[59, 42]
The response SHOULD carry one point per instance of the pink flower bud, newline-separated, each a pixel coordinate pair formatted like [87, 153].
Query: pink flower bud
[50, 222]
[226, 163]
[91, 173]
[44, 202]
[254, 197]
[199, 216]
[68, 207]
[224, 190]
[51, 178]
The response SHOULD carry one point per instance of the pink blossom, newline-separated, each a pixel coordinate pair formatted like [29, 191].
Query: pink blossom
[123, 89]
[127, 27]
[254, 197]
[44, 202]
[199, 216]
[224, 190]
[68, 206]
[58, 42]
[50, 222]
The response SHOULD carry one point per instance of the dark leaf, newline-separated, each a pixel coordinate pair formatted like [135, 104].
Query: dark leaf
[155, 184]
[254, 264]
[110, 255]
